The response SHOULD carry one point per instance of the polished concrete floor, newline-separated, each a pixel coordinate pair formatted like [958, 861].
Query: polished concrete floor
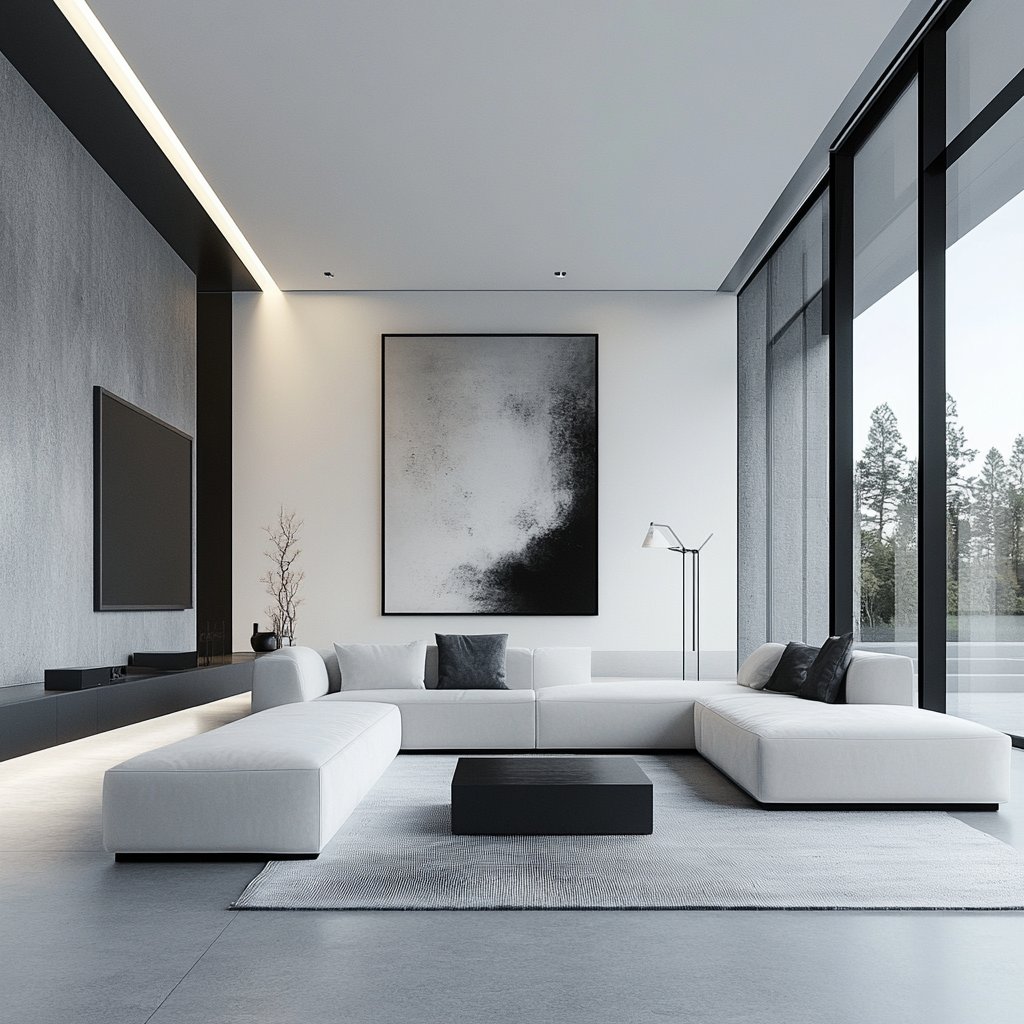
[84, 940]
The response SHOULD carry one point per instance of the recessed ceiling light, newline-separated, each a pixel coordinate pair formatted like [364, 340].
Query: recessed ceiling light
[328, 273]
[559, 273]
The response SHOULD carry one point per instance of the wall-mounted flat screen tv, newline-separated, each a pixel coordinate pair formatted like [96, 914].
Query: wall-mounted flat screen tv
[143, 509]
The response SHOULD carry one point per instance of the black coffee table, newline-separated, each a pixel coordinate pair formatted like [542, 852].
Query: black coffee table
[554, 796]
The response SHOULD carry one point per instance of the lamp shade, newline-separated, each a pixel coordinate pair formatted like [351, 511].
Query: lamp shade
[661, 536]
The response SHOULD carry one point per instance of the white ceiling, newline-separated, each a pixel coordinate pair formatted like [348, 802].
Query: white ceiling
[485, 144]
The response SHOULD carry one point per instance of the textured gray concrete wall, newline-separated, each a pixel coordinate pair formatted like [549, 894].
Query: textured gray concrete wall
[89, 294]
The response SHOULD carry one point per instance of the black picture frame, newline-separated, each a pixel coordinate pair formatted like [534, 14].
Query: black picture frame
[489, 491]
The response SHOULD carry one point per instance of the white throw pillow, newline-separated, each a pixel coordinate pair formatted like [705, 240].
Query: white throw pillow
[758, 668]
[382, 666]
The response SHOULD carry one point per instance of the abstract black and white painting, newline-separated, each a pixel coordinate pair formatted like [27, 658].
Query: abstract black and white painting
[490, 474]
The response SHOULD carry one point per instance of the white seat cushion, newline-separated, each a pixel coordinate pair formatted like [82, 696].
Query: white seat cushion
[633, 714]
[281, 781]
[457, 719]
[789, 750]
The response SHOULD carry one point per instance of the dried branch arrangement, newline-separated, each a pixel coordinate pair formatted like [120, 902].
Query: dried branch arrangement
[283, 580]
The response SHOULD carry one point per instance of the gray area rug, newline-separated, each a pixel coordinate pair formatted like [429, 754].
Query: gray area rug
[713, 847]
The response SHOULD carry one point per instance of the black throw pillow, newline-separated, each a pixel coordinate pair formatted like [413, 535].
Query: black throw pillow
[825, 676]
[471, 662]
[791, 670]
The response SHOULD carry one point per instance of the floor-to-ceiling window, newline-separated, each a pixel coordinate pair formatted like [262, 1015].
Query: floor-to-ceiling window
[984, 275]
[885, 381]
[926, 306]
[925, 220]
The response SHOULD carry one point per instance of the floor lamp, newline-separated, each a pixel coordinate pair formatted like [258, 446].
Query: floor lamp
[661, 535]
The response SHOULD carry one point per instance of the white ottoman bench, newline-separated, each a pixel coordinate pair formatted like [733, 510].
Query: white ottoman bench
[784, 750]
[278, 782]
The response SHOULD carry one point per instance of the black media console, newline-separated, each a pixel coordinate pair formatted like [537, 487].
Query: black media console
[33, 717]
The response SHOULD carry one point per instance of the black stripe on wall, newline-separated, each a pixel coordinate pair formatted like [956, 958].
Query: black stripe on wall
[213, 464]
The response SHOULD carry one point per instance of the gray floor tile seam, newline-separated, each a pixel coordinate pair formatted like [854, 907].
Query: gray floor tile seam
[232, 914]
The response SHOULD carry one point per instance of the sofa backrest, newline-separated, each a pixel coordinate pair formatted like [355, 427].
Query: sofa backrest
[880, 679]
[560, 666]
[872, 678]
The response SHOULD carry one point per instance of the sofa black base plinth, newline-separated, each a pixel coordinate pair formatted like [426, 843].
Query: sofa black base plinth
[555, 796]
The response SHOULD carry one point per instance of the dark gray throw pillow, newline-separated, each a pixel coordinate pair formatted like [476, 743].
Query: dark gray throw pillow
[791, 670]
[825, 676]
[471, 662]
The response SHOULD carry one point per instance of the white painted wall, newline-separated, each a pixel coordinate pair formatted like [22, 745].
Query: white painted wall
[307, 427]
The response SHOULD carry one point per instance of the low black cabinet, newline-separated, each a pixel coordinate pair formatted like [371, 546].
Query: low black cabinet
[33, 718]
[557, 796]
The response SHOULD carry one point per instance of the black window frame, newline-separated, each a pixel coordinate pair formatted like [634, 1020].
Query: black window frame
[925, 60]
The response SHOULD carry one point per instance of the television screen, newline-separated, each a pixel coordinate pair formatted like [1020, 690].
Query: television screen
[143, 509]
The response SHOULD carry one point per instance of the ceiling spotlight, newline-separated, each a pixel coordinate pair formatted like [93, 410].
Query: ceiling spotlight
[559, 273]
[328, 273]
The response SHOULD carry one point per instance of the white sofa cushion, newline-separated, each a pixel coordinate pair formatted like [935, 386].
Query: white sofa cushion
[560, 666]
[788, 750]
[457, 719]
[382, 666]
[759, 666]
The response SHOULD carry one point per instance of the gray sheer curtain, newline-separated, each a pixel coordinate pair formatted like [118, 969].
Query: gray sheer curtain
[783, 509]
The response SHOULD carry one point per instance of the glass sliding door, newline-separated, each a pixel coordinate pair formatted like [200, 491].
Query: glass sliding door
[984, 374]
[885, 381]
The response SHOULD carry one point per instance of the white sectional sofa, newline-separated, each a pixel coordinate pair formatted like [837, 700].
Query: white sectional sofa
[283, 780]
[876, 747]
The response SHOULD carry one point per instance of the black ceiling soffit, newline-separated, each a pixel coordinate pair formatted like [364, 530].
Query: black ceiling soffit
[41, 44]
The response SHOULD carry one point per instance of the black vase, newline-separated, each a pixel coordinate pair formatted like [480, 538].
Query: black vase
[262, 642]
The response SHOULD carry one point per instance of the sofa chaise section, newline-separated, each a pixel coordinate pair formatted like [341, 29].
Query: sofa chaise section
[793, 751]
[279, 782]
[875, 748]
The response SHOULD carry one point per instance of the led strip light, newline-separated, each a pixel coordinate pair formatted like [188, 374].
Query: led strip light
[102, 47]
